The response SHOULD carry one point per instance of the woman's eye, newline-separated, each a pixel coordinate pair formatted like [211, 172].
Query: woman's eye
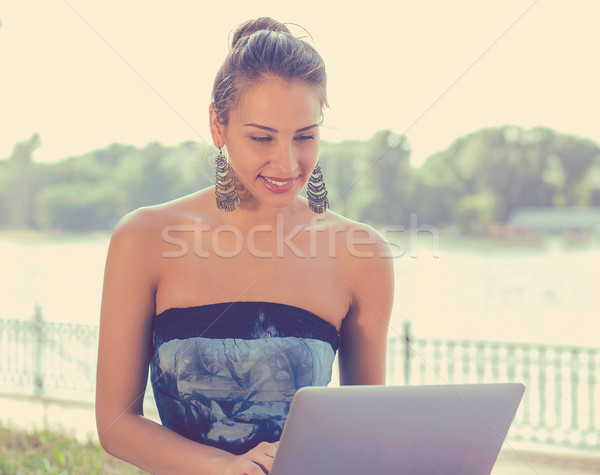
[305, 137]
[261, 139]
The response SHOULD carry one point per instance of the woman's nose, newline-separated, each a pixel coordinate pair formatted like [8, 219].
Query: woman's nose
[285, 159]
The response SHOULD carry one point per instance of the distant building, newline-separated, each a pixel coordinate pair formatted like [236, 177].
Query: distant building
[555, 220]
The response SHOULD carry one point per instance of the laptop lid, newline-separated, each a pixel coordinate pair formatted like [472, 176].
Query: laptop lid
[445, 429]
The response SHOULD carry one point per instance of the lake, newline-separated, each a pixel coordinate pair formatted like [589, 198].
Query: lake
[545, 292]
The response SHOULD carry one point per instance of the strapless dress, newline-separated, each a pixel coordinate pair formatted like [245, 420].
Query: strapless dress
[225, 374]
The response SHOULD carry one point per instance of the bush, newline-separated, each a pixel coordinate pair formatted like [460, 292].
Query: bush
[78, 207]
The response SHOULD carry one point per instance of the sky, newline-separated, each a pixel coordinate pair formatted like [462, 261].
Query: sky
[85, 74]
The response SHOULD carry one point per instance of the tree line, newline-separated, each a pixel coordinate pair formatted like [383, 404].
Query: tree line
[480, 179]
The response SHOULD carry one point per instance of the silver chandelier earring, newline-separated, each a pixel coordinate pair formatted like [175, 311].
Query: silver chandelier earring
[316, 193]
[225, 191]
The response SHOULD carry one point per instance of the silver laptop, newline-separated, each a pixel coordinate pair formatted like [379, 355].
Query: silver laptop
[348, 430]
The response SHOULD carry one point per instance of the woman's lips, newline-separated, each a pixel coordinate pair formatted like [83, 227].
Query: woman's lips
[278, 185]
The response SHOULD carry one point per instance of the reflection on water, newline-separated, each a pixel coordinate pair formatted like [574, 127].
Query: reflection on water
[541, 292]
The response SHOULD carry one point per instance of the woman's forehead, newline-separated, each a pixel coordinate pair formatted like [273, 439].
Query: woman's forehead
[274, 101]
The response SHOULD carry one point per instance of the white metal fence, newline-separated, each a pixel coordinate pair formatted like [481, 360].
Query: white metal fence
[560, 406]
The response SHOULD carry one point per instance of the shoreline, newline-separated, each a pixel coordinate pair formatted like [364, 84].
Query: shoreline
[35, 235]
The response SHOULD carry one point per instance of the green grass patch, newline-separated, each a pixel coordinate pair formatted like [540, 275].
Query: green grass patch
[45, 452]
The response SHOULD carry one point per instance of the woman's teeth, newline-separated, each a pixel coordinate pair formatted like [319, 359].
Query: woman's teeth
[278, 183]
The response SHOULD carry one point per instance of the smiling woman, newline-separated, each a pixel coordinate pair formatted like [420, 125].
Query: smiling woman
[281, 285]
[271, 148]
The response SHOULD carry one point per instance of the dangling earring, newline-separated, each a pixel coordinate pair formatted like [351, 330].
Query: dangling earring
[316, 193]
[226, 194]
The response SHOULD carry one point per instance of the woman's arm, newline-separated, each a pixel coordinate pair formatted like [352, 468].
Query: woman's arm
[127, 311]
[370, 278]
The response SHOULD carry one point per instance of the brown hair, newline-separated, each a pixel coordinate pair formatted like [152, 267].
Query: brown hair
[260, 49]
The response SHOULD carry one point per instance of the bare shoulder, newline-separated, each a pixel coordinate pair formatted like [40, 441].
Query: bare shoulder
[150, 221]
[140, 234]
[139, 221]
[138, 229]
[356, 243]
[363, 254]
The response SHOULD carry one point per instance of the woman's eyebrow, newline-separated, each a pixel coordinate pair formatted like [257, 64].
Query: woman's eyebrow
[270, 129]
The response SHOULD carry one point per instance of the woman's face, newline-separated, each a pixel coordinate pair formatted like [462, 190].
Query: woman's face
[272, 140]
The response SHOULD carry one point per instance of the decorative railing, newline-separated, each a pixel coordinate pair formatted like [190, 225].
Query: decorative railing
[561, 405]
[48, 359]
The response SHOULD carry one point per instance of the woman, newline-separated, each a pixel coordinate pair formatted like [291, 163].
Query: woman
[237, 295]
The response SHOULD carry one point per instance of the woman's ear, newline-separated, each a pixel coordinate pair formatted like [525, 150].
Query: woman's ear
[216, 128]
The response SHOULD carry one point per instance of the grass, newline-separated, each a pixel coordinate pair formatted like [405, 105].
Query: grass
[44, 452]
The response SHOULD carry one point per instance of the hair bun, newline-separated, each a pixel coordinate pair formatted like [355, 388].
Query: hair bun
[252, 26]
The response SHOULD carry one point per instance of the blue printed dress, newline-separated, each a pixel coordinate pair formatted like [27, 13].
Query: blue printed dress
[225, 374]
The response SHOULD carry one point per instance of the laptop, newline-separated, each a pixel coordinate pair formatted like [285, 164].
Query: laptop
[437, 429]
